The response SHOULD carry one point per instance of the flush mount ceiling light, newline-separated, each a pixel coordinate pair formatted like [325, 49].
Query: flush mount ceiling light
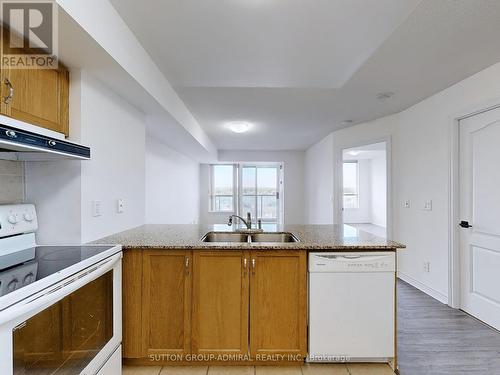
[238, 126]
[354, 153]
[346, 122]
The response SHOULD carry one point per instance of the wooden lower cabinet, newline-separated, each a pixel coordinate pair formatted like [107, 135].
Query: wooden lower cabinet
[132, 303]
[278, 300]
[166, 302]
[227, 302]
[220, 302]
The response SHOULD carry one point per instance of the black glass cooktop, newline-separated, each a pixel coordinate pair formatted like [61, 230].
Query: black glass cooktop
[27, 266]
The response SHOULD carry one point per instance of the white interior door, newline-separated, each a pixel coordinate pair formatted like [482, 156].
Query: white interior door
[480, 207]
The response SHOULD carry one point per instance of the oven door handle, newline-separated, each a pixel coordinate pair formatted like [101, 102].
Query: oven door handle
[39, 302]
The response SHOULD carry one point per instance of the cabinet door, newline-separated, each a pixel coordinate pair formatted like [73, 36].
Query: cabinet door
[166, 302]
[278, 303]
[40, 97]
[220, 302]
[132, 303]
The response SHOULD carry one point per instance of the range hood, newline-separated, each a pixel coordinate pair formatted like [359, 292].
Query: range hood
[22, 141]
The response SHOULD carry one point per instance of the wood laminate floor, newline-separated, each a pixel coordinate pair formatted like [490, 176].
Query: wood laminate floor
[434, 339]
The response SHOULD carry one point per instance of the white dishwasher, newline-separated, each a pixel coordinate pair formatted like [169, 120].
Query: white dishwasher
[351, 307]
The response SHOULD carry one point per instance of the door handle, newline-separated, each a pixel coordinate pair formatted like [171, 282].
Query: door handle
[7, 99]
[465, 224]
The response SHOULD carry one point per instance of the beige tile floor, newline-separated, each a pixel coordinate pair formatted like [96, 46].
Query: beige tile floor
[316, 369]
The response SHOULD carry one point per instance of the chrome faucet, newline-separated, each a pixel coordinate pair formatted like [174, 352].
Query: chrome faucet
[247, 222]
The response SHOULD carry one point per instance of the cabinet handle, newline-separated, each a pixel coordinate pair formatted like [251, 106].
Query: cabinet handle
[9, 97]
[187, 265]
[245, 262]
[253, 265]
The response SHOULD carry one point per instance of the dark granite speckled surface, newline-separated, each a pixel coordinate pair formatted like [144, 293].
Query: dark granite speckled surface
[311, 237]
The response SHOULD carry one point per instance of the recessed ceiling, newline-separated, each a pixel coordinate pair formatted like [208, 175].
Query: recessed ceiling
[296, 69]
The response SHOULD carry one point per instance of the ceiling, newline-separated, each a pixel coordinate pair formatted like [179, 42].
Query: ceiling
[296, 70]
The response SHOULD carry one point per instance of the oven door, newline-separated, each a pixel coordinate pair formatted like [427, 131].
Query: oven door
[73, 327]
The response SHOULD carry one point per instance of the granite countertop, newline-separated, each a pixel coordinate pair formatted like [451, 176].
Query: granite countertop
[311, 237]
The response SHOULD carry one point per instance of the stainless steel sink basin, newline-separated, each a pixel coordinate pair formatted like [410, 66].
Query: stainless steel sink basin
[278, 237]
[242, 237]
[225, 237]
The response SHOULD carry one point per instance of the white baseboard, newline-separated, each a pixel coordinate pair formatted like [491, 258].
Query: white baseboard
[424, 288]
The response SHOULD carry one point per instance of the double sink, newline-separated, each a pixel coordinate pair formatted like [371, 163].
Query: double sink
[242, 237]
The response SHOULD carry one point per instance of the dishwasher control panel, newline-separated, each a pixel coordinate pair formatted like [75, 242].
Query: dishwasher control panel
[352, 262]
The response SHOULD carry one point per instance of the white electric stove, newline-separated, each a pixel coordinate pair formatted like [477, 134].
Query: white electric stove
[60, 306]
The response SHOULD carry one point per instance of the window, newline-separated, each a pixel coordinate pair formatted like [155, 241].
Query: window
[242, 188]
[222, 188]
[351, 185]
[259, 191]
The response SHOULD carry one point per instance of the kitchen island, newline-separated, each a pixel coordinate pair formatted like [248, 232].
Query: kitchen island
[186, 301]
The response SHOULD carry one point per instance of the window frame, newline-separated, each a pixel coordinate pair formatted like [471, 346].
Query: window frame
[211, 195]
[344, 194]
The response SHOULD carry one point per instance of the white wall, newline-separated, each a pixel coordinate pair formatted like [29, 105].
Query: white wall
[116, 132]
[362, 214]
[420, 166]
[319, 182]
[378, 185]
[293, 166]
[63, 190]
[153, 179]
[205, 216]
[172, 185]
[11, 181]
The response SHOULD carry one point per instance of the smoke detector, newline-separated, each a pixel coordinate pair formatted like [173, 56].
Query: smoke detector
[385, 95]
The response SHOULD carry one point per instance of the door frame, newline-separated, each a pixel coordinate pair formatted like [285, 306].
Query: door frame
[454, 199]
[338, 177]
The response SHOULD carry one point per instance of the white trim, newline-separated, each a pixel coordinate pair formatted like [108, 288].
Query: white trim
[424, 288]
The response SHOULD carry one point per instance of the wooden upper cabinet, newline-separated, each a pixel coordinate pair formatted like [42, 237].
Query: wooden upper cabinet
[220, 302]
[278, 300]
[39, 96]
[166, 302]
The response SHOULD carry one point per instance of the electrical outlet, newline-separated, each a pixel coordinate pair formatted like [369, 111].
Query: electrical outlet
[120, 206]
[427, 267]
[96, 208]
[407, 204]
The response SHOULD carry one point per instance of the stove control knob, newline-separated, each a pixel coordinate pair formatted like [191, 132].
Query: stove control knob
[29, 217]
[12, 285]
[28, 279]
[13, 219]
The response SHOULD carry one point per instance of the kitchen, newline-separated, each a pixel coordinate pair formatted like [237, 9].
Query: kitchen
[160, 148]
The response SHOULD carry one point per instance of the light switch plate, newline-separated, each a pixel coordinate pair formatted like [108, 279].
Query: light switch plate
[120, 206]
[96, 208]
